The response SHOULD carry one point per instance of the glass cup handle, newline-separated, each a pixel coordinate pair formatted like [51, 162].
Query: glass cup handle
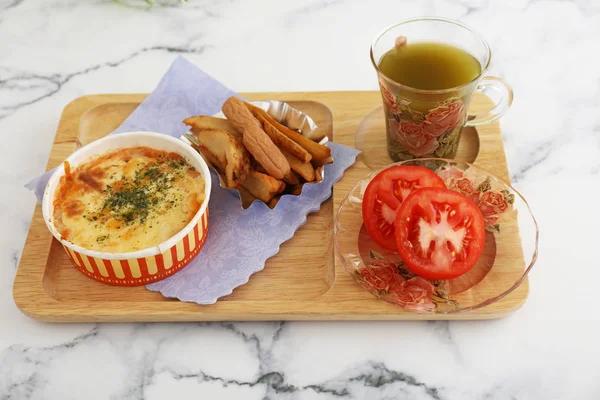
[498, 85]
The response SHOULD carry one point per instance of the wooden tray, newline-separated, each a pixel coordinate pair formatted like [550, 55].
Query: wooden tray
[304, 281]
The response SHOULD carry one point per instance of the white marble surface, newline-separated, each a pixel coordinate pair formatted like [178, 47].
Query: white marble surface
[56, 50]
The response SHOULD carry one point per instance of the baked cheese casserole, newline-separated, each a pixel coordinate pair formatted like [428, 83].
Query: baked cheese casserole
[127, 200]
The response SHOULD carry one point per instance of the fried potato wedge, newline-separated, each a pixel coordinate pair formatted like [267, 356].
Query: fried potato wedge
[320, 163]
[255, 139]
[292, 178]
[226, 152]
[262, 186]
[274, 202]
[305, 170]
[216, 162]
[257, 167]
[296, 190]
[317, 134]
[257, 155]
[204, 122]
[246, 197]
[318, 175]
[318, 152]
[284, 142]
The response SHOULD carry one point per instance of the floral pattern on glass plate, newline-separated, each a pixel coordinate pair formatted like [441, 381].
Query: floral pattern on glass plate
[509, 254]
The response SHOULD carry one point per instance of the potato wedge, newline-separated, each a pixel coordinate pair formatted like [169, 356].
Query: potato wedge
[292, 178]
[296, 190]
[219, 164]
[262, 186]
[274, 202]
[257, 167]
[318, 175]
[305, 170]
[226, 152]
[316, 150]
[255, 139]
[246, 197]
[317, 134]
[284, 142]
[319, 163]
[204, 122]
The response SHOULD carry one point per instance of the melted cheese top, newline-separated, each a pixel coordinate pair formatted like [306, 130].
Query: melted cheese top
[127, 200]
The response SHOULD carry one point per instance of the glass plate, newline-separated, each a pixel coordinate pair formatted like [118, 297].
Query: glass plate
[510, 250]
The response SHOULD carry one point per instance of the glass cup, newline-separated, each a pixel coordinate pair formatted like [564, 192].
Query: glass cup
[428, 123]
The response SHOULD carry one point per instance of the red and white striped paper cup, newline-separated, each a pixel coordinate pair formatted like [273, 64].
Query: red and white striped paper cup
[144, 266]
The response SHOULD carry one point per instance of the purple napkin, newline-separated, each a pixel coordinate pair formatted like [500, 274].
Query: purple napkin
[239, 241]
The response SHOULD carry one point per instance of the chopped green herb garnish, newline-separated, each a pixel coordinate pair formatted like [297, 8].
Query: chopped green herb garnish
[149, 191]
[102, 238]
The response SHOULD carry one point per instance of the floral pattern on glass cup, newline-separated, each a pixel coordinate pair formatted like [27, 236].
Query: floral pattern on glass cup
[413, 134]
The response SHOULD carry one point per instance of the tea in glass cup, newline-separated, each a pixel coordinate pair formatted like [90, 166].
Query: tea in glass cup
[428, 70]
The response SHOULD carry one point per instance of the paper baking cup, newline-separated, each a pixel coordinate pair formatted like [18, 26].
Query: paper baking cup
[147, 265]
[287, 115]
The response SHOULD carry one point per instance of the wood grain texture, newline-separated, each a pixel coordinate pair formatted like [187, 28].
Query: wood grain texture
[303, 281]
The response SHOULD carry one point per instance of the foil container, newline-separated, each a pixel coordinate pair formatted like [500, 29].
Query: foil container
[292, 118]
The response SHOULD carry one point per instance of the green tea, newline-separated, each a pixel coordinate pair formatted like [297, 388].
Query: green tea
[430, 65]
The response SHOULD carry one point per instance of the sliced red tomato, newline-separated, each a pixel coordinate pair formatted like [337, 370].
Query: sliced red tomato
[440, 234]
[384, 195]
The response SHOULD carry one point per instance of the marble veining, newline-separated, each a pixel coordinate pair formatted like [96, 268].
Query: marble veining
[54, 51]
[33, 88]
[365, 378]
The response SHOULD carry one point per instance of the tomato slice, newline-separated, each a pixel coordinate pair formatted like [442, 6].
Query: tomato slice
[384, 195]
[440, 234]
